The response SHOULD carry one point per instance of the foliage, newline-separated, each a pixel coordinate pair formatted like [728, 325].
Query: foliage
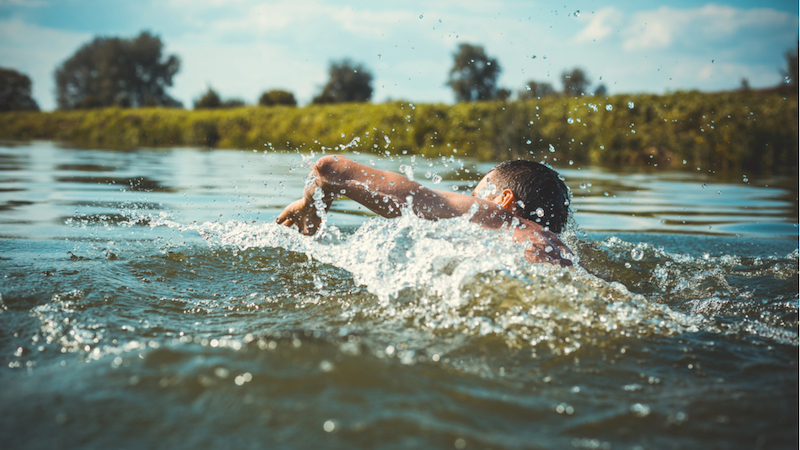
[474, 74]
[232, 103]
[790, 73]
[114, 71]
[535, 89]
[212, 100]
[748, 132]
[576, 83]
[348, 82]
[601, 91]
[15, 92]
[209, 100]
[277, 97]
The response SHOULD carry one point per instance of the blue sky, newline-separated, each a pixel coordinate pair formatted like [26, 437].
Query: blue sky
[242, 48]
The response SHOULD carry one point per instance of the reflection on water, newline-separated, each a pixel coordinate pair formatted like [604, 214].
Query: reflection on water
[239, 184]
[173, 313]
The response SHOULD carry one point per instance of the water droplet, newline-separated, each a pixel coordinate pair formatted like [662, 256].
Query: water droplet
[609, 107]
[630, 105]
[420, 16]
[640, 410]
[379, 55]
[684, 161]
[583, 186]
[570, 121]
[704, 186]
[437, 179]
[540, 212]
[712, 61]
[576, 13]
[637, 254]
[627, 265]
[528, 142]
[342, 134]
[787, 80]
[329, 426]
[552, 149]
[532, 57]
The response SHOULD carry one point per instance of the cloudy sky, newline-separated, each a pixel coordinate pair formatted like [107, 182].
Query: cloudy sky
[243, 47]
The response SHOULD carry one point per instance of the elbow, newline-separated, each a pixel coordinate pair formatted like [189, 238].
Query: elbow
[331, 167]
[328, 164]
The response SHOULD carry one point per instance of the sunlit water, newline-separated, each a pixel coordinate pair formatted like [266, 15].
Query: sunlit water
[149, 302]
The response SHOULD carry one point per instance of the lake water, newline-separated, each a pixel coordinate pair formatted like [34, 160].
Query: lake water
[149, 302]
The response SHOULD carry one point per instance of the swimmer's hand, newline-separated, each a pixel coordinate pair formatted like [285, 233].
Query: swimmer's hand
[301, 214]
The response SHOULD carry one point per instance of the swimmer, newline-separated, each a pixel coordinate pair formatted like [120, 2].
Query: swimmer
[524, 196]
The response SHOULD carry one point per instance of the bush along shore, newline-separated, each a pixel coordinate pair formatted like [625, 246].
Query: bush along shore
[751, 131]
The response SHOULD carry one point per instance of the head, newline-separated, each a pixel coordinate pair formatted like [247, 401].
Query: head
[524, 187]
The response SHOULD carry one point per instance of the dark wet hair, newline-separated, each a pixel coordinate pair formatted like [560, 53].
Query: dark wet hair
[536, 186]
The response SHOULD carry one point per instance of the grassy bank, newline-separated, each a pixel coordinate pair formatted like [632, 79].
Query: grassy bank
[752, 131]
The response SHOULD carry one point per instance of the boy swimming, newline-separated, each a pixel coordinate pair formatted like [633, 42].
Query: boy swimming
[523, 196]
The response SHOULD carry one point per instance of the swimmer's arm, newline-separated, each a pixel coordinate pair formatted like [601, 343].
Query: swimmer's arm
[382, 192]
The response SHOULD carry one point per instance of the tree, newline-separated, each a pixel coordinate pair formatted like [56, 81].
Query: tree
[534, 89]
[348, 82]
[474, 75]
[15, 92]
[277, 97]
[601, 91]
[115, 71]
[745, 85]
[790, 74]
[576, 83]
[212, 100]
[232, 103]
[209, 100]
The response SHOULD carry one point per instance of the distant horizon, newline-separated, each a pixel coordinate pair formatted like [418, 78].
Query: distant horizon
[243, 48]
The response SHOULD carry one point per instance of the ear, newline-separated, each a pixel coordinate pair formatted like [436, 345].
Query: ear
[507, 200]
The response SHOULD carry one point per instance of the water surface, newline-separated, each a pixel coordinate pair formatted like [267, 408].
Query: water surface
[149, 302]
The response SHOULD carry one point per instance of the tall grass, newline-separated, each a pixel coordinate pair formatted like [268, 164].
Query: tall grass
[755, 131]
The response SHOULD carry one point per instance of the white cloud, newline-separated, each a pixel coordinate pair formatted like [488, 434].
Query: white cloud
[203, 3]
[368, 23]
[268, 17]
[665, 26]
[239, 71]
[37, 51]
[310, 16]
[601, 24]
[28, 3]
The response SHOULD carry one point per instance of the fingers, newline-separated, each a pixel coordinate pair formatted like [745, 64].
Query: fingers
[296, 221]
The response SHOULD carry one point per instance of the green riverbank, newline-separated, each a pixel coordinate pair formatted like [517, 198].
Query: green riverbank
[752, 131]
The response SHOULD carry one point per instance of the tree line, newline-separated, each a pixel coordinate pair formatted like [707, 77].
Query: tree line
[753, 131]
[135, 72]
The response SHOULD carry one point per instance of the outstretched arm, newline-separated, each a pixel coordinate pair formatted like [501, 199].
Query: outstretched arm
[385, 193]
